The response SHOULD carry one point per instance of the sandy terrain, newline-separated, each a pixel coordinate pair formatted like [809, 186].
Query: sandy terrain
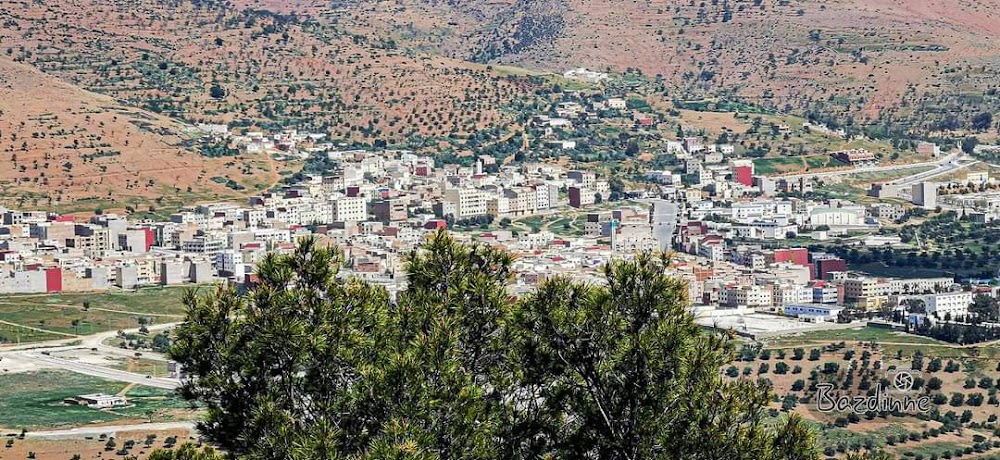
[65, 448]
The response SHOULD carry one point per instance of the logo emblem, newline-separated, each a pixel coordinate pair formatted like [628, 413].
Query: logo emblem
[903, 381]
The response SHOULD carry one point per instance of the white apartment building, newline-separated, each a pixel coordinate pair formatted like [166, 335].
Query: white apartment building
[787, 294]
[921, 285]
[230, 261]
[855, 288]
[951, 303]
[350, 209]
[744, 212]
[583, 178]
[203, 244]
[498, 206]
[750, 296]
[272, 235]
[546, 196]
[254, 217]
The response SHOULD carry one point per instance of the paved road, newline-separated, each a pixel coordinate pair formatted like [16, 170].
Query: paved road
[109, 430]
[937, 163]
[34, 352]
[101, 371]
[89, 342]
[939, 171]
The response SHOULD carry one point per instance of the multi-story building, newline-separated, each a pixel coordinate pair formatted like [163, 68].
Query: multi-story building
[887, 211]
[135, 240]
[582, 178]
[203, 244]
[857, 288]
[750, 296]
[348, 209]
[523, 201]
[580, 197]
[391, 210]
[824, 293]
[230, 263]
[948, 305]
[546, 196]
[467, 202]
[92, 239]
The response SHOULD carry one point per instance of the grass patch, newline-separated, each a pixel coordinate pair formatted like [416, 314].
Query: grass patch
[777, 165]
[65, 313]
[928, 449]
[35, 400]
[12, 334]
[865, 334]
[151, 300]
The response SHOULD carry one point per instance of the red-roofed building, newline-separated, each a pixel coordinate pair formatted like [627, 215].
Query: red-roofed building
[702, 274]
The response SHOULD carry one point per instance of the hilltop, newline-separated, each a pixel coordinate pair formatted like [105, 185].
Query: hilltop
[448, 78]
[266, 64]
[885, 62]
[132, 77]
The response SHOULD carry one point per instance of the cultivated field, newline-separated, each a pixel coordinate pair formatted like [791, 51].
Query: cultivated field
[856, 361]
[34, 400]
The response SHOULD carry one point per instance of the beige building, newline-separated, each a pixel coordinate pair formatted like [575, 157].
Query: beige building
[467, 202]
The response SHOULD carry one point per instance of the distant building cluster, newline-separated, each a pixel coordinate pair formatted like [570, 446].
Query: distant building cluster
[738, 236]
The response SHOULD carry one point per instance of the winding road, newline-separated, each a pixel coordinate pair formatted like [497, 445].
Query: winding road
[41, 352]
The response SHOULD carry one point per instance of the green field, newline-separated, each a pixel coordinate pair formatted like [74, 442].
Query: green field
[864, 334]
[793, 164]
[14, 334]
[880, 269]
[35, 400]
[778, 165]
[155, 300]
[930, 450]
[106, 311]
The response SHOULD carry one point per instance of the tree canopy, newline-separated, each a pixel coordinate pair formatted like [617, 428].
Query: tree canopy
[306, 365]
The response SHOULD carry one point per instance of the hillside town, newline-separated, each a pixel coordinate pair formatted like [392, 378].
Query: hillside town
[737, 238]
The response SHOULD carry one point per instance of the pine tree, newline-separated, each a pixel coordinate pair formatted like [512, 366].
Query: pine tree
[309, 366]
